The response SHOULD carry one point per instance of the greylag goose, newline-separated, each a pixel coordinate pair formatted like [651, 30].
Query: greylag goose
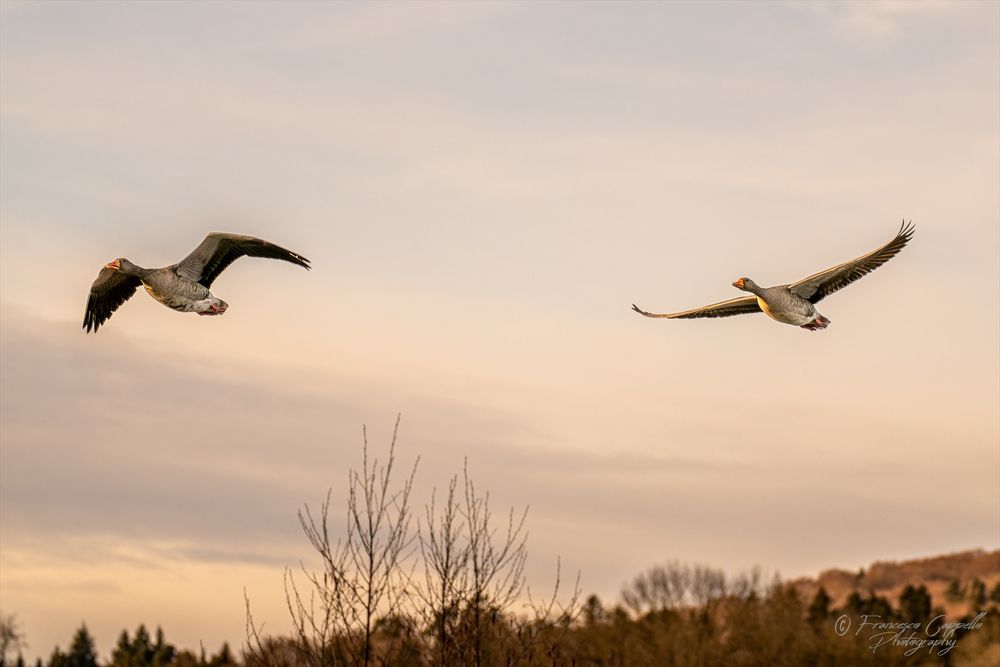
[795, 303]
[183, 286]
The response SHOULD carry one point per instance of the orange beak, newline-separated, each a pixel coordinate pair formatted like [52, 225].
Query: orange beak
[116, 265]
[738, 283]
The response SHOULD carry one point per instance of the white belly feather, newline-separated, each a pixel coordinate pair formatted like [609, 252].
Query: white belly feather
[786, 316]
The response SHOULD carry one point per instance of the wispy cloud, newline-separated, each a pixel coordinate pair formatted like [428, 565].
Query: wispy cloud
[483, 190]
[876, 19]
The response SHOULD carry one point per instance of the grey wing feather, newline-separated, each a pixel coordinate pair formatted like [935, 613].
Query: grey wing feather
[110, 290]
[822, 284]
[219, 250]
[738, 306]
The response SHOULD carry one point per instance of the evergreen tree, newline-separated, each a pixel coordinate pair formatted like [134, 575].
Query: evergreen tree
[163, 653]
[854, 603]
[873, 605]
[224, 657]
[915, 604]
[82, 652]
[954, 591]
[879, 606]
[141, 651]
[58, 658]
[593, 610]
[121, 655]
[819, 609]
[977, 593]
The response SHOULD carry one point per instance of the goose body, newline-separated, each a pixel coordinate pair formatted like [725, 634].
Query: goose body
[781, 305]
[184, 286]
[794, 303]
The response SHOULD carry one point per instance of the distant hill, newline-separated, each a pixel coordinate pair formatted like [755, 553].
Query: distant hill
[950, 579]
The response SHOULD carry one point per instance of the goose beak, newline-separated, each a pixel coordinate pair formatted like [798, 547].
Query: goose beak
[739, 283]
[116, 265]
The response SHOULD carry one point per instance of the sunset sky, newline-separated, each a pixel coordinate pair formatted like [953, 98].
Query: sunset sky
[484, 189]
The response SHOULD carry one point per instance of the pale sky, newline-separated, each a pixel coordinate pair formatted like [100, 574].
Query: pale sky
[483, 190]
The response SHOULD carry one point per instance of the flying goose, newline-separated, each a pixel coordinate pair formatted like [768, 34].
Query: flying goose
[794, 303]
[182, 286]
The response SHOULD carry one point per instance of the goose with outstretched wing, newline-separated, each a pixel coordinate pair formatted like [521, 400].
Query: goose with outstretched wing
[183, 286]
[795, 303]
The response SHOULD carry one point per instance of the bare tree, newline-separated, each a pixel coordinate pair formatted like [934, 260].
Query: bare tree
[659, 588]
[11, 638]
[377, 546]
[444, 550]
[672, 586]
[495, 571]
[548, 622]
[676, 585]
[364, 574]
[364, 607]
[707, 584]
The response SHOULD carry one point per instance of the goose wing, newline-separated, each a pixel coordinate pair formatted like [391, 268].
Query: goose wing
[219, 250]
[110, 290]
[823, 284]
[737, 306]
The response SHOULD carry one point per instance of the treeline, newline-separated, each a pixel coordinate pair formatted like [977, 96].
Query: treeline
[446, 586]
[451, 591]
[974, 592]
[956, 580]
[140, 650]
[672, 615]
[678, 616]
[712, 622]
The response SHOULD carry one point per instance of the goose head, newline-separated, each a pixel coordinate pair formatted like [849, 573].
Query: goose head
[746, 285]
[121, 264]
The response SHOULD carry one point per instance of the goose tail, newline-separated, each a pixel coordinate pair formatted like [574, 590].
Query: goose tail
[821, 322]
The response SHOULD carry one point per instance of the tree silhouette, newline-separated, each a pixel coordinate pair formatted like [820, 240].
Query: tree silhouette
[977, 593]
[365, 607]
[873, 605]
[81, 651]
[915, 605]
[954, 591]
[11, 638]
[445, 554]
[224, 658]
[819, 608]
[495, 574]
[142, 651]
[58, 658]
[364, 574]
